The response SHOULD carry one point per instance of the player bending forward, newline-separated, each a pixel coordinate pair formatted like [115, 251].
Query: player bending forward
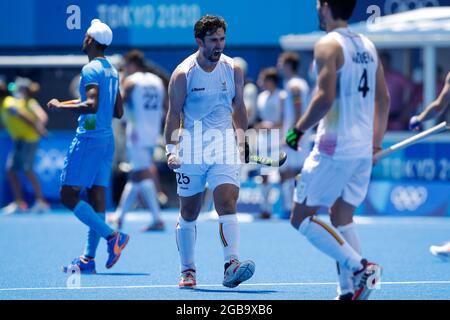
[207, 90]
[435, 109]
[351, 103]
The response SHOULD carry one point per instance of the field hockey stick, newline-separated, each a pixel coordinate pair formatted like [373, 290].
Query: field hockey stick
[266, 161]
[443, 126]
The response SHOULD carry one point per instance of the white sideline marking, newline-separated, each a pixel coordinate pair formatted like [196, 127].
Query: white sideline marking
[219, 285]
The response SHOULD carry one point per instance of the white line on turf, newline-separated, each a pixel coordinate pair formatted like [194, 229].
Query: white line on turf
[219, 285]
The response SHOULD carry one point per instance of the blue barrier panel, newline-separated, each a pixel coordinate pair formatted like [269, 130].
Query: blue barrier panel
[48, 166]
[250, 198]
[411, 182]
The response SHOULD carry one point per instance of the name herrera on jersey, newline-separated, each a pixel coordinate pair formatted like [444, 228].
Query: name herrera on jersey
[198, 89]
[362, 57]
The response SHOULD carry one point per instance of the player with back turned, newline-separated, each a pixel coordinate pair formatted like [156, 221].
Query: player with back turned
[351, 102]
[88, 163]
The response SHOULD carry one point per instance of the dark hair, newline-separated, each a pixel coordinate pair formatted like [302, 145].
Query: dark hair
[99, 46]
[135, 56]
[340, 9]
[208, 25]
[270, 74]
[291, 58]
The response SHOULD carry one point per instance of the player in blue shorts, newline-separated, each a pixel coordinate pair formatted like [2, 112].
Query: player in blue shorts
[88, 162]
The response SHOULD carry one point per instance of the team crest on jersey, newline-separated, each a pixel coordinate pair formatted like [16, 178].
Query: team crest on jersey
[224, 86]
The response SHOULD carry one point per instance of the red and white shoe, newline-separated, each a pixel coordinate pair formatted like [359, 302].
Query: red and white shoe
[237, 272]
[187, 279]
[366, 280]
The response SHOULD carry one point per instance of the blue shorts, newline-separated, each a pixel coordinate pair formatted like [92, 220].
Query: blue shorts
[88, 162]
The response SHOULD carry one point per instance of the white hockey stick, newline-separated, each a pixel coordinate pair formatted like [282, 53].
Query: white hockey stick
[443, 126]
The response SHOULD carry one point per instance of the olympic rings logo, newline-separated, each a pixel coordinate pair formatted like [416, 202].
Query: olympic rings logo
[408, 198]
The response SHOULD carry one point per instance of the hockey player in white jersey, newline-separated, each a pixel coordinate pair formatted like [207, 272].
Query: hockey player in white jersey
[144, 95]
[295, 104]
[206, 92]
[352, 104]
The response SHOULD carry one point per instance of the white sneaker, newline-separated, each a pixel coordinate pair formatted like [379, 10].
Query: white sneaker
[40, 207]
[366, 280]
[442, 252]
[187, 279]
[237, 272]
[14, 208]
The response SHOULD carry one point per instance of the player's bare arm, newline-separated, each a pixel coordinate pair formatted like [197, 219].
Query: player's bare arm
[118, 106]
[85, 107]
[128, 87]
[438, 106]
[297, 98]
[177, 96]
[240, 120]
[382, 103]
[326, 53]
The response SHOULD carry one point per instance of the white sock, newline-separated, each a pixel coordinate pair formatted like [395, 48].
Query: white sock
[229, 236]
[328, 240]
[287, 189]
[265, 192]
[127, 199]
[186, 234]
[345, 276]
[148, 191]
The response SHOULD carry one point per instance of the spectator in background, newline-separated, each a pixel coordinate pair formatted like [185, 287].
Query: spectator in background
[296, 103]
[269, 106]
[250, 92]
[25, 121]
[400, 89]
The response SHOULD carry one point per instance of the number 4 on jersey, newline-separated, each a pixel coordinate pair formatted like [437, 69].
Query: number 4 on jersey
[363, 87]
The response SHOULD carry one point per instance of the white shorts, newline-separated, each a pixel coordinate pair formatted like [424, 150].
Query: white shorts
[294, 160]
[323, 180]
[140, 158]
[191, 179]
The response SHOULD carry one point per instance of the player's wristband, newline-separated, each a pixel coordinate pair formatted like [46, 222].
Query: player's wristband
[170, 149]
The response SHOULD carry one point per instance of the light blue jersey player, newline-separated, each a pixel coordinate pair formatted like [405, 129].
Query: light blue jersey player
[88, 162]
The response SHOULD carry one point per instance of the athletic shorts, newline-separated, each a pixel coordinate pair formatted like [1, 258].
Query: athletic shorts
[191, 179]
[88, 162]
[22, 155]
[294, 160]
[140, 158]
[323, 180]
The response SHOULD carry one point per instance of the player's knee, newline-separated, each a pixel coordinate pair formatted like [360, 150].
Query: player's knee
[296, 219]
[69, 197]
[190, 212]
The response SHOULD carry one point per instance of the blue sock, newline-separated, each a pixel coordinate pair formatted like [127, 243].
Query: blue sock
[89, 217]
[93, 240]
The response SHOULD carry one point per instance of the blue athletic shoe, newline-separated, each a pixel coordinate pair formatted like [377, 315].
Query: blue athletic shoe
[86, 266]
[116, 244]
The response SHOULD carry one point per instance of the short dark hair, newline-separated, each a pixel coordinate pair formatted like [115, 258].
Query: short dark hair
[208, 25]
[340, 9]
[270, 74]
[135, 56]
[291, 58]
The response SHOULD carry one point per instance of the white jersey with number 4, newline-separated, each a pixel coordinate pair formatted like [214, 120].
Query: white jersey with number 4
[346, 131]
[144, 109]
